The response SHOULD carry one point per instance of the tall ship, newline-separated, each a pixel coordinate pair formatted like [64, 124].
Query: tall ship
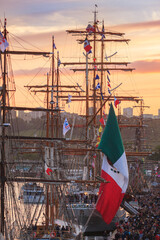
[50, 179]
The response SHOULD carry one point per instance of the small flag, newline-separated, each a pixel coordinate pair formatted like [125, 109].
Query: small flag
[116, 102]
[59, 62]
[97, 77]
[103, 36]
[108, 84]
[98, 139]
[94, 155]
[87, 46]
[66, 127]
[102, 98]
[3, 43]
[108, 72]
[102, 121]
[97, 144]
[109, 91]
[94, 59]
[117, 174]
[54, 46]
[48, 171]
[108, 78]
[95, 67]
[100, 129]
[90, 28]
[106, 57]
[98, 86]
[104, 114]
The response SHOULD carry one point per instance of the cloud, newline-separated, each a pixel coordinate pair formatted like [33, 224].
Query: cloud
[139, 26]
[147, 66]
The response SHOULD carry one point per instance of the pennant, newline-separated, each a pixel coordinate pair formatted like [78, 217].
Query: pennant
[54, 46]
[102, 98]
[116, 102]
[59, 62]
[106, 57]
[108, 78]
[108, 84]
[66, 127]
[102, 121]
[48, 171]
[3, 43]
[97, 144]
[97, 77]
[90, 28]
[94, 59]
[108, 72]
[109, 91]
[98, 86]
[87, 46]
[103, 36]
[100, 129]
[95, 67]
[112, 193]
[98, 139]
[94, 155]
[105, 116]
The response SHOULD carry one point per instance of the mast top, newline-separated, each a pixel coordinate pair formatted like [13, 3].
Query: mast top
[95, 14]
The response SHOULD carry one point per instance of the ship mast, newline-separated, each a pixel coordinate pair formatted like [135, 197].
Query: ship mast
[94, 57]
[3, 176]
[4, 108]
[94, 100]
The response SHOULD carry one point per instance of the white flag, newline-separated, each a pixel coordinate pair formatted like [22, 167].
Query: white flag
[66, 127]
[3, 43]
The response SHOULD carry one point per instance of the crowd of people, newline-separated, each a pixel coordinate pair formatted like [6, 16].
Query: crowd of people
[146, 224]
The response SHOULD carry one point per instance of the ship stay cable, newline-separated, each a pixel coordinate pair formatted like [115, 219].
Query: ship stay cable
[16, 37]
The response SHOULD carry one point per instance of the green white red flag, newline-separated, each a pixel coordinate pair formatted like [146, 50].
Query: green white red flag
[114, 169]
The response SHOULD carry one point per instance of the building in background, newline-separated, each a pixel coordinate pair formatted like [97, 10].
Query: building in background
[24, 115]
[147, 116]
[27, 116]
[128, 112]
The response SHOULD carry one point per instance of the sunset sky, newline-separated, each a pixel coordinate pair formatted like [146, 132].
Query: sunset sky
[36, 21]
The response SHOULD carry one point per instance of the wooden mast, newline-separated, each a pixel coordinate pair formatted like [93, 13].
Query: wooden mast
[47, 135]
[2, 164]
[94, 57]
[87, 95]
[57, 95]
[102, 51]
[52, 86]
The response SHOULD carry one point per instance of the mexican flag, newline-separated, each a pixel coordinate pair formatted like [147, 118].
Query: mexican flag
[114, 169]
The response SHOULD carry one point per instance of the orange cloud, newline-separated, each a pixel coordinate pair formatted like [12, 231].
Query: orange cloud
[138, 26]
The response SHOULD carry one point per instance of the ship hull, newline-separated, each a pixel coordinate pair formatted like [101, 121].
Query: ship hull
[91, 220]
